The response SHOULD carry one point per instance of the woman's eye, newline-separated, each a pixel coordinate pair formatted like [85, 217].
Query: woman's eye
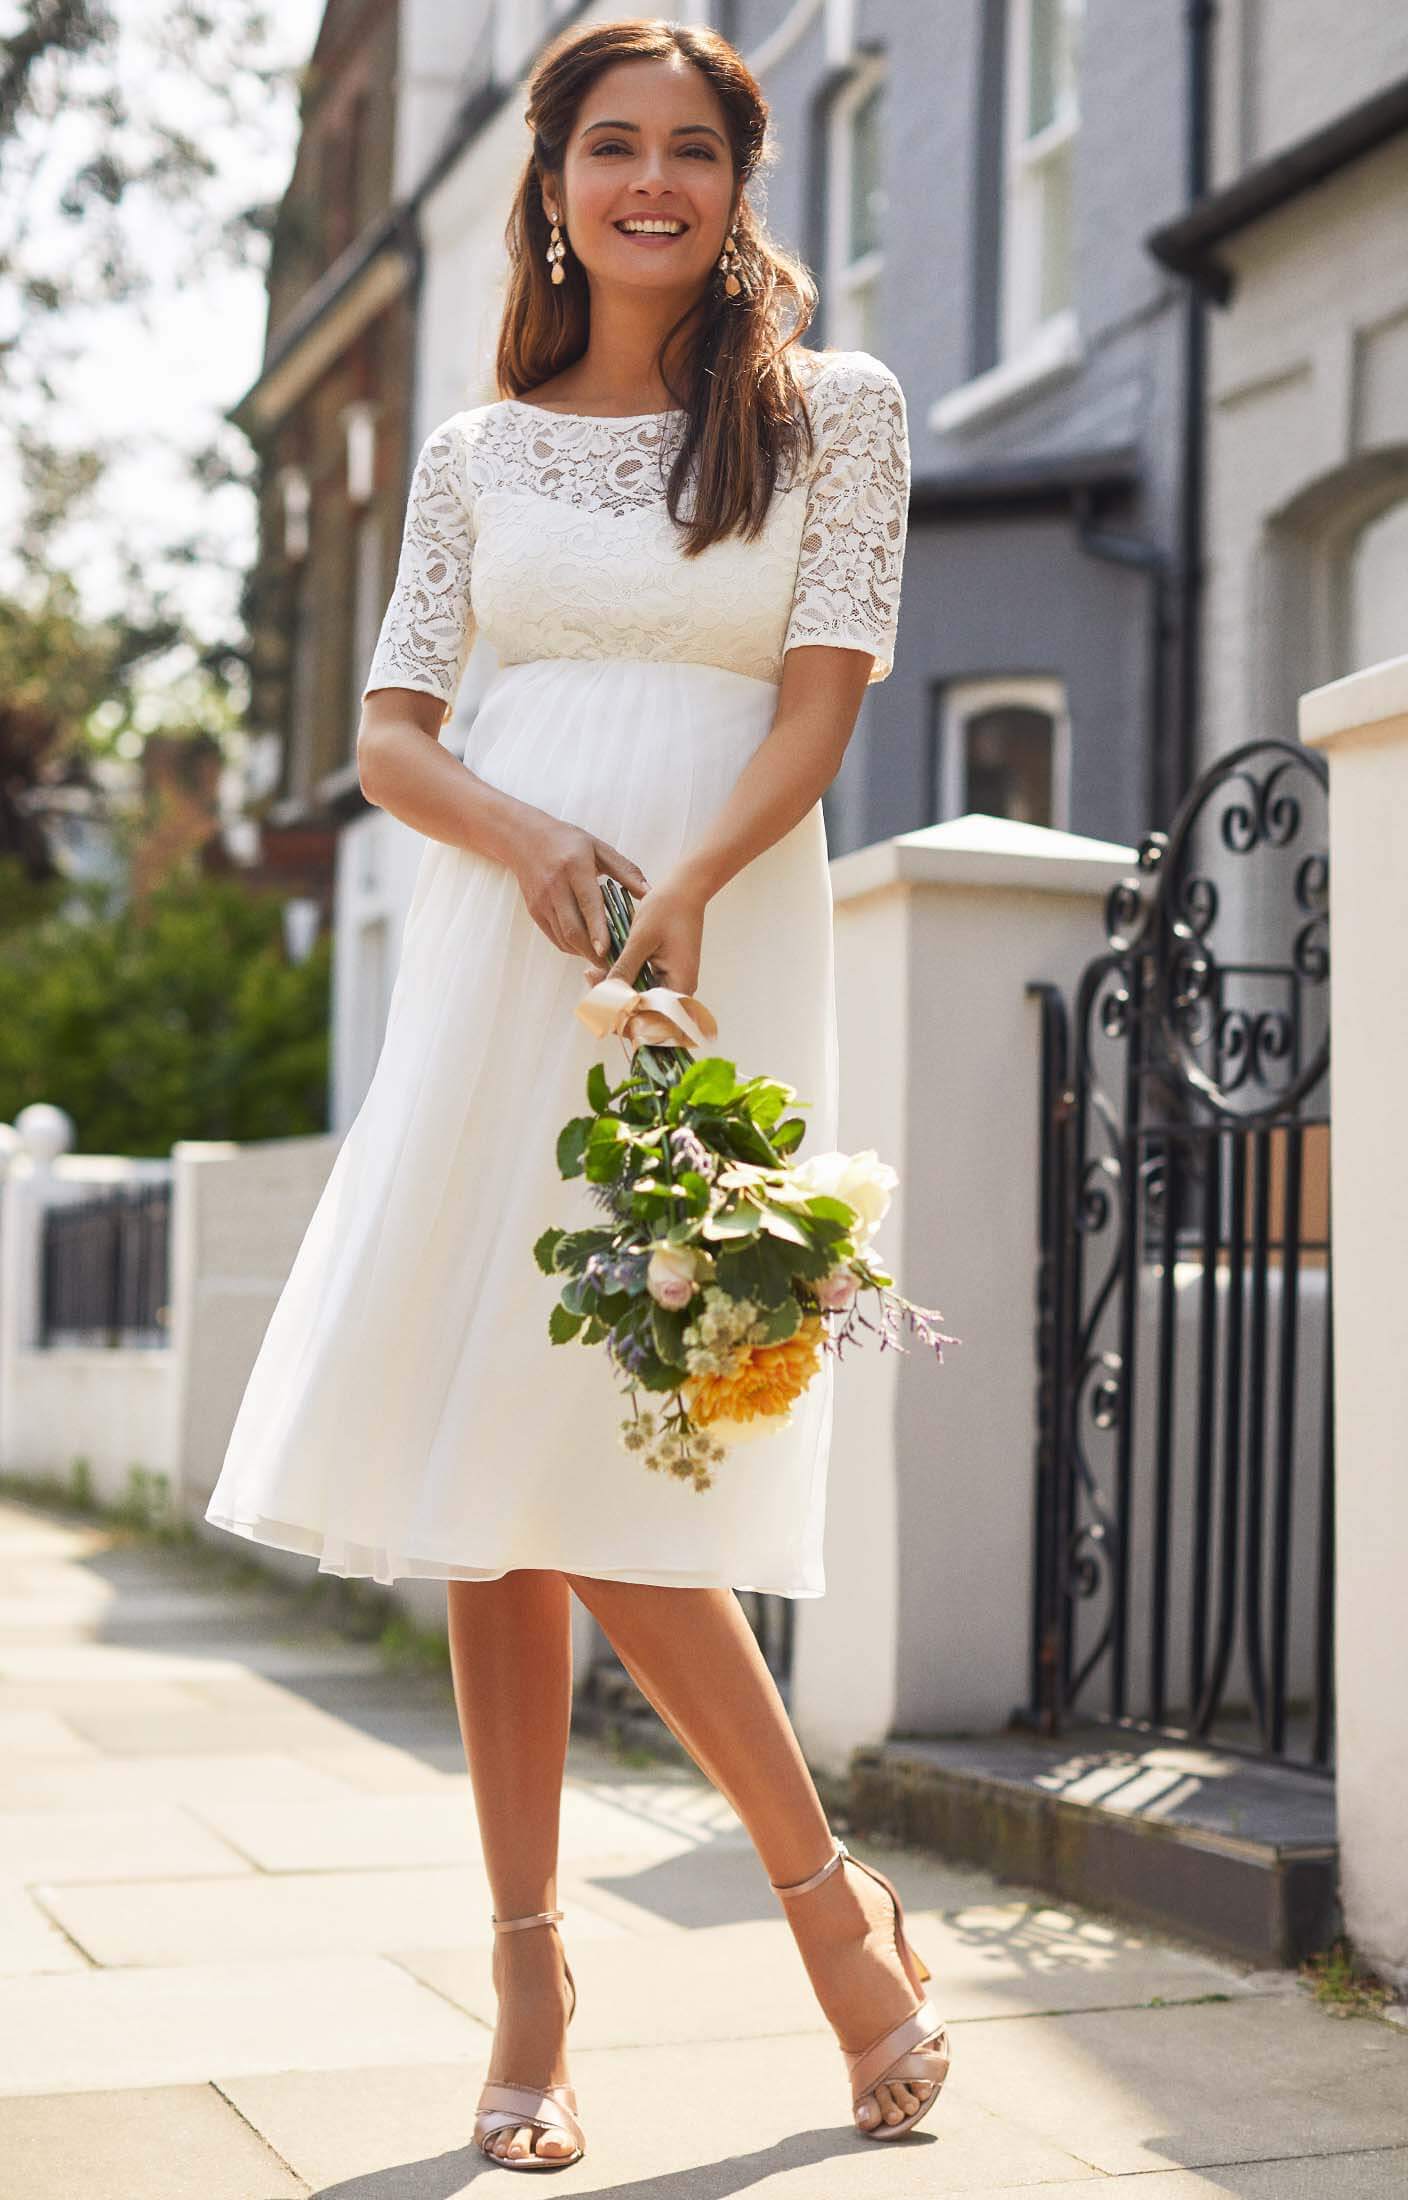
[608, 145]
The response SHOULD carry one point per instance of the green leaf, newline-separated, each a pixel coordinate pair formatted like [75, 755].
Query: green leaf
[595, 1331]
[579, 1296]
[574, 1246]
[697, 1187]
[780, 1224]
[788, 1134]
[563, 1324]
[761, 1271]
[747, 1142]
[655, 1374]
[668, 1324]
[606, 1158]
[542, 1249]
[836, 1210]
[709, 1083]
[765, 1098]
[743, 1220]
[571, 1145]
[782, 1320]
[598, 1088]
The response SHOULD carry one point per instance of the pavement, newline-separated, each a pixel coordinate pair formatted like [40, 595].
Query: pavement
[244, 1954]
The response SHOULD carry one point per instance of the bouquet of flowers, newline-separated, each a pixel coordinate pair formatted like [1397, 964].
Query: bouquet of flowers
[722, 1262]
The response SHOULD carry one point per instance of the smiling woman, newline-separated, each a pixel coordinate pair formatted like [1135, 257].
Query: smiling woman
[682, 533]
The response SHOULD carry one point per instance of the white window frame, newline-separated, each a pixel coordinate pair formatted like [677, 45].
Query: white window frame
[849, 283]
[1024, 158]
[964, 700]
[1036, 350]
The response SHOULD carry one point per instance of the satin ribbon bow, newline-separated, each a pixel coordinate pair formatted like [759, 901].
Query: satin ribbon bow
[656, 1017]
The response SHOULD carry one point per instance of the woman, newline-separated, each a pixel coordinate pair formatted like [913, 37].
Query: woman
[683, 535]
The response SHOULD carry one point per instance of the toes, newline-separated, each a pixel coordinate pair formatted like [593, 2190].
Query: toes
[551, 2143]
[867, 2114]
[889, 2107]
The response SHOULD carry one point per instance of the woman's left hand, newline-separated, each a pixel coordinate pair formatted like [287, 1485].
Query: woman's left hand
[667, 931]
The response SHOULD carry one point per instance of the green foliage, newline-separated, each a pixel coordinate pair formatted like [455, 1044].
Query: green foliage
[178, 1018]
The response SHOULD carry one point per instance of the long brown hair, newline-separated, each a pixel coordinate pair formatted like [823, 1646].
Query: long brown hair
[746, 417]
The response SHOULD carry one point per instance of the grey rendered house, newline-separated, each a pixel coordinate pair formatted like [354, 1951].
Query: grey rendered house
[972, 182]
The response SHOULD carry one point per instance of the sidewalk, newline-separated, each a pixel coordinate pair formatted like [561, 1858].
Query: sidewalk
[245, 1953]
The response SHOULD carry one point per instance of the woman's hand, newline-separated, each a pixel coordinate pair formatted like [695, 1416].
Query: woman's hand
[557, 866]
[667, 931]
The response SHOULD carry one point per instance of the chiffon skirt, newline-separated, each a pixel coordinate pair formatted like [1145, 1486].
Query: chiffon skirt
[407, 1413]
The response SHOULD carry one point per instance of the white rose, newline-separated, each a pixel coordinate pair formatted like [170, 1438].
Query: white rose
[670, 1275]
[861, 1179]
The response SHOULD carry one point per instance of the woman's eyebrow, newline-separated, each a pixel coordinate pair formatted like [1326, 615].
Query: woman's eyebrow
[607, 123]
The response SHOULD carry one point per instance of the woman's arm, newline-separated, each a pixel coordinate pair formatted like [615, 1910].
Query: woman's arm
[404, 769]
[819, 697]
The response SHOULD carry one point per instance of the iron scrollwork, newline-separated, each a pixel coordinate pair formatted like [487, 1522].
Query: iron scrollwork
[1206, 1014]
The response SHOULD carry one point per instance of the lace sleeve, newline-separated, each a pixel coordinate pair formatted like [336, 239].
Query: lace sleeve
[428, 630]
[857, 511]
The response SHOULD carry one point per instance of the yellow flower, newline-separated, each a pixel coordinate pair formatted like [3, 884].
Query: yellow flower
[766, 1380]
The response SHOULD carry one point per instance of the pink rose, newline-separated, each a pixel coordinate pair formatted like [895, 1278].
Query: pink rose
[670, 1276]
[835, 1290]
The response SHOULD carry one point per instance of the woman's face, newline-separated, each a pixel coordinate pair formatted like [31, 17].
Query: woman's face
[648, 144]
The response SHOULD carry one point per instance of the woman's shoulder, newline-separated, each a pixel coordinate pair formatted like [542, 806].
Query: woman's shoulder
[459, 452]
[847, 372]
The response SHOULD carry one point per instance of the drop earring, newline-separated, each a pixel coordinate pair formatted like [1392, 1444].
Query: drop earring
[556, 252]
[728, 263]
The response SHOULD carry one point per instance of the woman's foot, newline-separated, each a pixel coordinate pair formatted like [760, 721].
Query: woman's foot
[530, 2038]
[845, 1929]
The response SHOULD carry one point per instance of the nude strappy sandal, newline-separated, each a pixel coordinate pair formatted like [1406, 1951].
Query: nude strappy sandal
[914, 2049]
[550, 2108]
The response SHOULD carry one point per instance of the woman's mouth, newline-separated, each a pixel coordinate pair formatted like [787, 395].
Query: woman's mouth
[651, 230]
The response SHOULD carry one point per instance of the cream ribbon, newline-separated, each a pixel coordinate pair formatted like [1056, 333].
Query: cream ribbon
[657, 1017]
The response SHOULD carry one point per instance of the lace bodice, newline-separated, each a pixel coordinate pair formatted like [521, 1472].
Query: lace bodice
[548, 533]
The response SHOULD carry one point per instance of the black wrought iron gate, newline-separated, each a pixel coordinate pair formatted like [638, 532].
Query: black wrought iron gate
[1184, 1490]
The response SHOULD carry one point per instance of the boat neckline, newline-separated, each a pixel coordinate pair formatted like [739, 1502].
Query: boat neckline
[552, 412]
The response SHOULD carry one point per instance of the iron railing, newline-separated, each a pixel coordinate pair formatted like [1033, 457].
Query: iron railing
[1185, 1460]
[105, 1264]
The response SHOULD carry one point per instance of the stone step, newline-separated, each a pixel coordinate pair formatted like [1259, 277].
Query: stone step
[1238, 1855]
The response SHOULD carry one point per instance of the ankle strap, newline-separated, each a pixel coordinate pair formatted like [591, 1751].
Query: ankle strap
[512, 1924]
[804, 1886]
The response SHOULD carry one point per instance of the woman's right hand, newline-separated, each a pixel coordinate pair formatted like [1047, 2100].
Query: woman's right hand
[557, 866]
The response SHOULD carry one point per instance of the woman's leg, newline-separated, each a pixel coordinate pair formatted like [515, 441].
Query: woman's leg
[694, 1657]
[511, 1657]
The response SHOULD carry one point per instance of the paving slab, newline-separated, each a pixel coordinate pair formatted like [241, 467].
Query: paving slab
[108, 1783]
[40, 1733]
[164, 2143]
[302, 1913]
[709, 2122]
[29, 1940]
[121, 1731]
[440, 1827]
[376, 1769]
[747, 1980]
[724, 1883]
[145, 2027]
[1374, 2175]
[158, 1841]
[354, 1833]
[1255, 2078]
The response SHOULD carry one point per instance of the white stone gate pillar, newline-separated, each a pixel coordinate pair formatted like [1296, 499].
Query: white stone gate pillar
[1361, 724]
[925, 1623]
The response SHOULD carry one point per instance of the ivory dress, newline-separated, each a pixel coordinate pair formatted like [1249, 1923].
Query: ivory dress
[407, 1413]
